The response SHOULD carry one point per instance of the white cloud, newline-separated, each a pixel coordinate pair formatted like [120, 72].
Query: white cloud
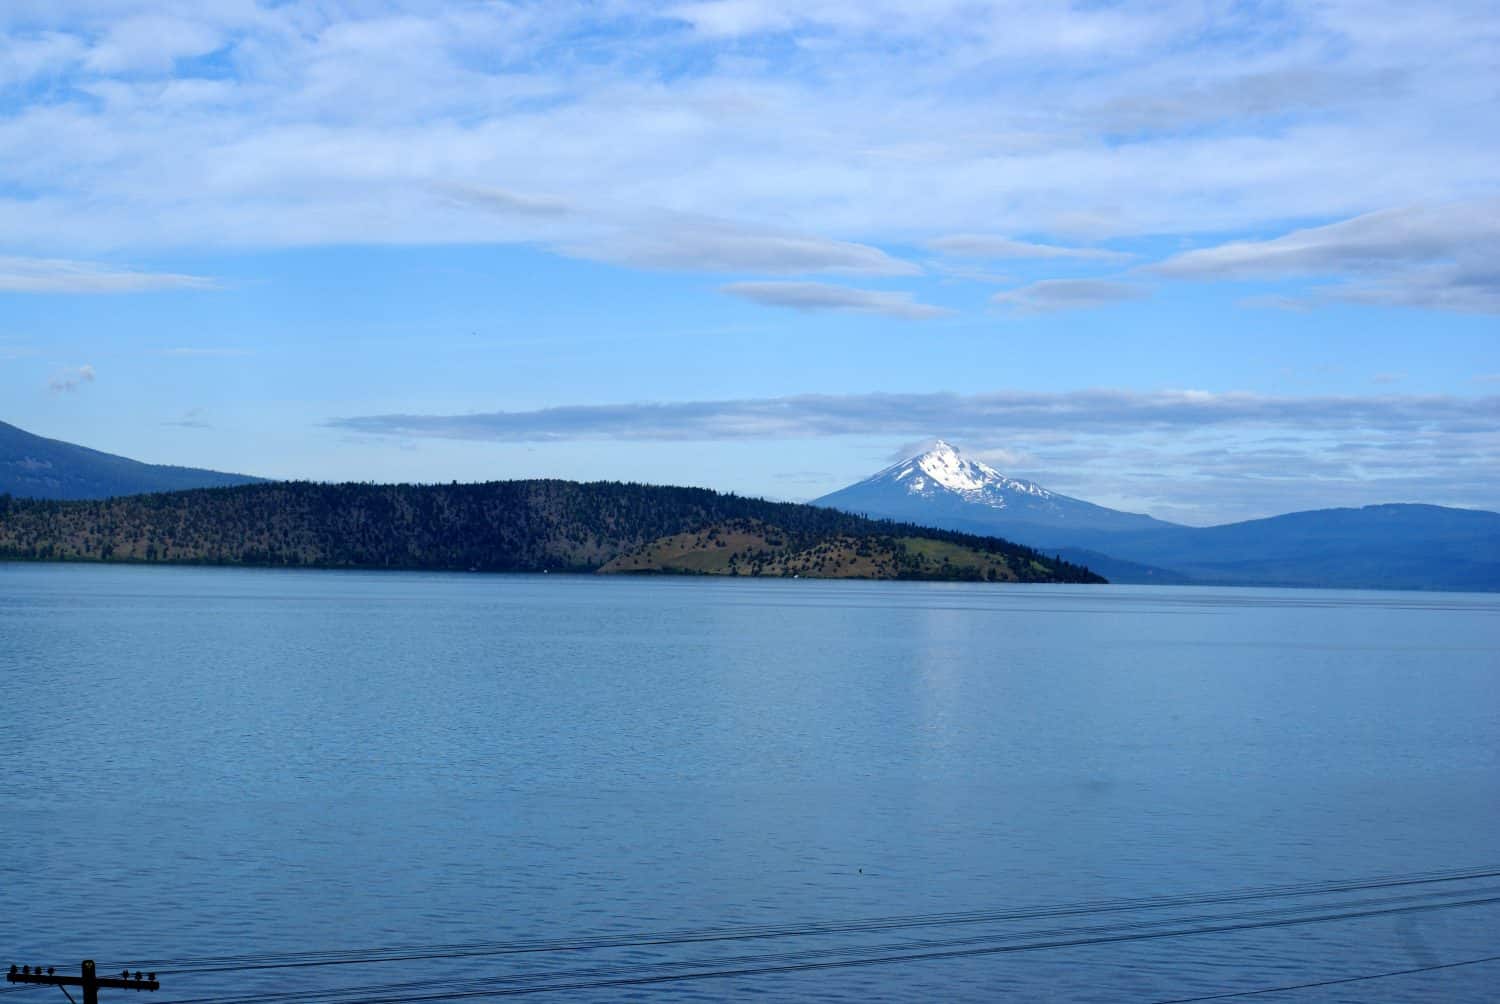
[720, 247]
[871, 124]
[1003, 458]
[151, 43]
[823, 296]
[46, 54]
[501, 201]
[1375, 240]
[1250, 95]
[56, 275]
[67, 381]
[1441, 257]
[733, 18]
[816, 415]
[1069, 294]
[988, 246]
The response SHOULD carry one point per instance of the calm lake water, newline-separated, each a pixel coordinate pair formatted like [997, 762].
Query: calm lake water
[204, 762]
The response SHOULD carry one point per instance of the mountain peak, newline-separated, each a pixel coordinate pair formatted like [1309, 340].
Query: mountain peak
[939, 486]
[942, 468]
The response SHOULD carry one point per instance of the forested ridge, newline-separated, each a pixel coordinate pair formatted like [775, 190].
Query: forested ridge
[514, 526]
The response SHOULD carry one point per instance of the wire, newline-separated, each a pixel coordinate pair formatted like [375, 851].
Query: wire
[925, 956]
[1329, 983]
[414, 953]
[641, 968]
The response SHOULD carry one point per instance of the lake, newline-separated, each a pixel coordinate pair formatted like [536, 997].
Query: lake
[199, 763]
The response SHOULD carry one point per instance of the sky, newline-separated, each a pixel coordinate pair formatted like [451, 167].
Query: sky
[1211, 261]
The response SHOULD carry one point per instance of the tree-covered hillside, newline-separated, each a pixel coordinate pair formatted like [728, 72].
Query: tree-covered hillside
[500, 526]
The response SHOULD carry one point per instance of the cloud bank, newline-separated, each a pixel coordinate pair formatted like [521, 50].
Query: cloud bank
[819, 415]
[814, 136]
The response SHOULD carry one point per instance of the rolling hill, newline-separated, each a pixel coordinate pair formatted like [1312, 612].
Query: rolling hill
[518, 526]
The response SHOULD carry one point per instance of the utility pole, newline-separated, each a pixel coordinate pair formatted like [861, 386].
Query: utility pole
[89, 980]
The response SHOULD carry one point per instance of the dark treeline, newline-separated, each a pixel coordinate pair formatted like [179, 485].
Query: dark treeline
[513, 526]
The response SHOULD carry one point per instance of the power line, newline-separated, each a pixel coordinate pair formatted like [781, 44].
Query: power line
[645, 973]
[894, 959]
[1075, 941]
[1329, 983]
[415, 953]
[1287, 912]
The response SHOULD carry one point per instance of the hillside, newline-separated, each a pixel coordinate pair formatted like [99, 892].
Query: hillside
[520, 526]
[33, 466]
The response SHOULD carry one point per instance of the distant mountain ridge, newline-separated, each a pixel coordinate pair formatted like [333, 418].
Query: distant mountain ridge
[1388, 546]
[33, 466]
[1392, 546]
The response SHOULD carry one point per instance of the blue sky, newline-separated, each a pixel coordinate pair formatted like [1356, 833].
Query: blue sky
[1205, 260]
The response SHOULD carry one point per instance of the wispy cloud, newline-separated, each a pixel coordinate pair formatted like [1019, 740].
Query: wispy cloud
[151, 42]
[499, 200]
[67, 381]
[1069, 294]
[811, 416]
[823, 296]
[1249, 95]
[986, 246]
[1440, 257]
[1396, 236]
[722, 247]
[57, 275]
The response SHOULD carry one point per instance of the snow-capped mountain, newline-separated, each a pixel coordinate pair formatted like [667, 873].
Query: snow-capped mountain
[942, 469]
[1377, 546]
[942, 487]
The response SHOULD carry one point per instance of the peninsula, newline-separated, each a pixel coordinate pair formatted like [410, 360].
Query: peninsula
[509, 526]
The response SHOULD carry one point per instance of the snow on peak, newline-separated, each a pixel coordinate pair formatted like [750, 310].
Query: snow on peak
[942, 466]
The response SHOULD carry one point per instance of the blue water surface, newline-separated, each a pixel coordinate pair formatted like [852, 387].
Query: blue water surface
[198, 763]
